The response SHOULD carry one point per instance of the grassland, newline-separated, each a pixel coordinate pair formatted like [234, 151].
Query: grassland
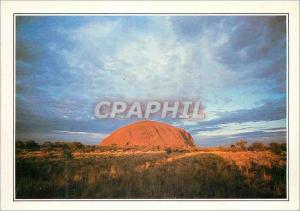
[74, 171]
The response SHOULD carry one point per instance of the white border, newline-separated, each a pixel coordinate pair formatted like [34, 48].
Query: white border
[173, 14]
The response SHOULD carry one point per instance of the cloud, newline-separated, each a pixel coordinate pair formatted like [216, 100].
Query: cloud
[266, 122]
[80, 133]
[275, 129]
[227, 62]
[250, 137]
[269, 111]
[135, 67]
[249, 50]
[192, 27]
[256, 49]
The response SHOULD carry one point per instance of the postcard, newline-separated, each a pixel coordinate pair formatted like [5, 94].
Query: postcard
[131, 106]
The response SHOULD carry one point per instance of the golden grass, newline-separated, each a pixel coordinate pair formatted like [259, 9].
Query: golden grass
[240, 158]
[209, 173]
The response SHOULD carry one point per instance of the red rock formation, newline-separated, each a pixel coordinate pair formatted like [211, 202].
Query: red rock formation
[149, 134]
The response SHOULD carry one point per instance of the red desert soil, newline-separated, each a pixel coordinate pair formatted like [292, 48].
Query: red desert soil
[149, 134]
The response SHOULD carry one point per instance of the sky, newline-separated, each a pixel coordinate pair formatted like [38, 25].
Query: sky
[234, 65]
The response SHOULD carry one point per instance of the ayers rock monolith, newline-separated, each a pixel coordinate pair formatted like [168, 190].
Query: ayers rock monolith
[149, 134]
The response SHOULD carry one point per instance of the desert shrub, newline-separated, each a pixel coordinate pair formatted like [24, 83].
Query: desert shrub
[232, 146]
[101, 148]
[68, 154]
[241, 144]
[277, 148]
[89, 148]
[257, 146]
[61, 145]
[112, 148]
[182, 150]
[47, 146]
[30, 145]
[75, 146]
[169, 150]
[54, 145]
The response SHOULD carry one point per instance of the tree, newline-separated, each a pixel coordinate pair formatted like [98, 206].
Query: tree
[241, 144]
[277, 148]
[31, 145]
[76, 146]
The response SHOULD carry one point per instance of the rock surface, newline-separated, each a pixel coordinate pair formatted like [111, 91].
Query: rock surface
[149, 134]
